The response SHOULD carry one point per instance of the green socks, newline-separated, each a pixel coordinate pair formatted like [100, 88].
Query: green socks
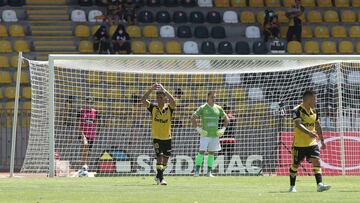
[211, 159]
[199, 160]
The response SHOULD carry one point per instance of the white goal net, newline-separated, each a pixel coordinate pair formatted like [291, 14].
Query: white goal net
[258, 93]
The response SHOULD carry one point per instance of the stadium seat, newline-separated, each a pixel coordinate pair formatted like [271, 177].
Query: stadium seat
[242, 48]
[321, 32]
[184, 31]
[238, 3]
[294, 47]
[94, 29]
[78, 16]
[153, 3]
[354, 31]
[346, 47]
[342, 3]
[173, 47]
[112, 30]
[167, 31]
[3, 31]
[9, 16]
[4, 62]
[24, 79]
[156, 47]
[138, 47]
[213, 17]
[5, 77]
[205, 3]
[324, 3]
[150, 31]
[314, 16]
[26, 92]
[306, 32]
[201, 32]
[26, 105]
[328, 47]
[16, 31]
[282, 17]
[348, 16]
[190, 47]
[260, 16]
[5, 46]
[15, 2]
[180, 17]
[171, 3]
[358, 48]
[198, 79]
[260, 47]
[146, 17]
[355, 3]
[10, 92]
[338, 31]
[86, 47]
[283, 31]
[222, 3]
[225, 47]
[21, 46]
[218, 32]
[311, 47]
[14, 62]
[307, 3]
[197, 17]
[163, 17]
[208, 47]
[134, 31]
[272, 3]
[85, 2]
[230, 17]
[331, 16]
[93, 16]
[252, 32]
[82, 31]
[256, 3]
[248, 17]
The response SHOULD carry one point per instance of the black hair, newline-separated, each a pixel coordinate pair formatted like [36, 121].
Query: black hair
[160, 92]
[210, 92]
[308, 93]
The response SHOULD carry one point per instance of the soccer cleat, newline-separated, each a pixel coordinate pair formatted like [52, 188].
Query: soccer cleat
[209, 174]
[322, 187]
[163, 182]
[157, 180]
[292, 189]
[196, 173]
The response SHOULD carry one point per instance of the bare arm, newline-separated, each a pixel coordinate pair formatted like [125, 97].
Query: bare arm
[299, 125]
[144, 100]
[170, 96]
[194, 121]
[226, 121]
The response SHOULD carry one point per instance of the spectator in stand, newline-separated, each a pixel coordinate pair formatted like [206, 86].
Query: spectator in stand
[271, 26]
[121, 41]
[115, 12]
[295, 24]
[130, 12]
[101, 41]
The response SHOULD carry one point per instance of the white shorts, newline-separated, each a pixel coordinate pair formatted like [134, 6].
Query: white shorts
[211, 144]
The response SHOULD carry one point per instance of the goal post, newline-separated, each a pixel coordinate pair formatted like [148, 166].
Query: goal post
[258, 91]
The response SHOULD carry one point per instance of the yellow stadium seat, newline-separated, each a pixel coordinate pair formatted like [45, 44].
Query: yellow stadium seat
[283, 31]
[111, 78]
[256, 3]
[93, 77]
[355, 3]
[358, 48]
[26, 92]
[10, 92]
[128, 78]
[94, 29]
[16, 31]
[156, 47]
[324, 3]
[342, 3]
[112, 30]
[338, 31]
[114, 93]
[133, 31]
[86, 47]
[130, 92]
[216, 79]
[5, 46]
[294, 47]
[3, 31]
[82, 31]
[180, 79]
[289, 3]
[348, 16]
[312, 47]
[24, 78]
[308, 3]
[354, 31]
[21, 46]
[173, 47]
[198, 79]
[150, 31]
[260, 17]
[331, 16]
[145, 79]
[26, 105]
[272, 3]
[4, 62]
[10, 106]
[238, 3]
[247, 17]
[306, 32]
[14, 62]
[314, 17]
[163, 79]
[282, 17]
[97, 93]
[346, 47]
[321, 32]
[5, 77]
[138, 47]
[222, 3]
[328, 47]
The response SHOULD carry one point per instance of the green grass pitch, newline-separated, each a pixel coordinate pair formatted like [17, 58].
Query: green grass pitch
[180, 189]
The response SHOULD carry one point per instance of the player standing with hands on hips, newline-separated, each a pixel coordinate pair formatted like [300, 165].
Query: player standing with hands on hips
[161, 114]
[209, 114]
[307, 130]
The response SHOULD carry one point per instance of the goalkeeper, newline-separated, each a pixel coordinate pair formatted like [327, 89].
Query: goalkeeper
[209, 114]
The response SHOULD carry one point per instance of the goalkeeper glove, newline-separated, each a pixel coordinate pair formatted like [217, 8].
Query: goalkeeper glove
[221, 132]
[201, 131]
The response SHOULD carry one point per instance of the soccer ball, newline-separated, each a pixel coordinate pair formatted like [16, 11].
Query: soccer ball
[83, 172]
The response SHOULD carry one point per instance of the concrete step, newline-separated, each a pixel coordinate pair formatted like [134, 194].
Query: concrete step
[61, 48]
[59, 33]
[59, 38]
[48, 16]
[49, 22]
[50, 27]
[47, 11]
[52, 42]
[45, 2]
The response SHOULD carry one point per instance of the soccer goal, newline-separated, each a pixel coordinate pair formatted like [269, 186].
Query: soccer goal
[258, 92]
